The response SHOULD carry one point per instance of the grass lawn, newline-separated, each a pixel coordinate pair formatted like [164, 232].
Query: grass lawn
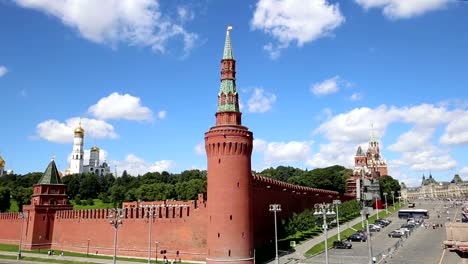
[98, 204]
[320, 247]
[44, 260]
[14, 248]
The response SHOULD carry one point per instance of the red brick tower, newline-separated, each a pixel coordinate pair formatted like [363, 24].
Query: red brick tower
[48, 197]
[228, 148]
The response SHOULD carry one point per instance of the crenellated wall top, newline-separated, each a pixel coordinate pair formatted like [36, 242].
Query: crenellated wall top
[272, 183]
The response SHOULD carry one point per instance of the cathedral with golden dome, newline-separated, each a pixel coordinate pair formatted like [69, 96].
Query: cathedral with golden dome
[77, 157]
[2, 166]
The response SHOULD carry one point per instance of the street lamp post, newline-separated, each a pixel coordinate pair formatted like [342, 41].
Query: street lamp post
[21, 216]
[386, 205]
[377, 207]
[116, 217]
[369, 240]
[336, 203]
[150, 214]
[323, 210]
[275, 208]
[393, 199]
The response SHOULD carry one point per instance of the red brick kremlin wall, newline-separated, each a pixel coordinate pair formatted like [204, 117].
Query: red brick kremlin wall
[180, 229]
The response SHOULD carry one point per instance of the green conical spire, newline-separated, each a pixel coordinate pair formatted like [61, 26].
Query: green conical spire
[228, 96]
[227, 55]
[51, 175]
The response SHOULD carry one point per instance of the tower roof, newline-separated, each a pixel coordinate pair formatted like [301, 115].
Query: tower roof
[2, 161]
[360, 152]
[95, 148]
[227, 55]
[51, 175]
[372, 139]
[228, 96]
[79, 131]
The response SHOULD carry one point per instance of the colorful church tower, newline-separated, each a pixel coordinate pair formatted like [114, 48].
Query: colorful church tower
[228, 147]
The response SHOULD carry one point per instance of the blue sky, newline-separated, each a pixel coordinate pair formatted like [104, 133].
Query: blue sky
[313, 75]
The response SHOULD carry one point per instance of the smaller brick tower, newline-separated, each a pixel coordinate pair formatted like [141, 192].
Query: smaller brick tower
[229, 148]
[49, 196]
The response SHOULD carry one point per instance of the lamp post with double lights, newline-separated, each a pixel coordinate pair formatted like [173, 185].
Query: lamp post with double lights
[393, 199]
[116, 217]
[337, 203]
[275, 208]
[21, 216]
[150, 213]
[323, 210]
[386, 205]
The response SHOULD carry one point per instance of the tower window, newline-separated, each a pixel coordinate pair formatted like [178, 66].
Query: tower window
[219, 160]
[219, 235]
[230, 217]
[229, 252]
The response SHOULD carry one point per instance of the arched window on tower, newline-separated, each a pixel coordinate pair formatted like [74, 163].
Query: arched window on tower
[230, 98]
[223, 99]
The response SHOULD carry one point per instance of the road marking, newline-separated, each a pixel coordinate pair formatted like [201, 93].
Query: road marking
[442, 256]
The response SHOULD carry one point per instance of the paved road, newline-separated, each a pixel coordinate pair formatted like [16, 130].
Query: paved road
[423, 246]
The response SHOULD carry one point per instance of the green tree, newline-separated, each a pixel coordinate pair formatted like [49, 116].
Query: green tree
[4, 199]
[389, 185]
[22, 196]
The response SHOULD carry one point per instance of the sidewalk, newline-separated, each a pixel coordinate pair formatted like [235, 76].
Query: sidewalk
[302, 248]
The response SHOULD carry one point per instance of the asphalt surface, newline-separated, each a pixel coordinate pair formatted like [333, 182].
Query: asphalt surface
[422, 246]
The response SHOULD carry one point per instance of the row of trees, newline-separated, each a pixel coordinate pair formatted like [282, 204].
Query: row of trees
[306, 220]
[166, 186]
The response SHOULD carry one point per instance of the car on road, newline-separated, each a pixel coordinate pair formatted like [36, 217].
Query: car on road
[409, 226]
[358, 237]
[396, 233]
[342, 244]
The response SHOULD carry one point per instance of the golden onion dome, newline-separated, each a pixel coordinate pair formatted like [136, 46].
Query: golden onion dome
[95, 148]
[2, 162]
[79, 130]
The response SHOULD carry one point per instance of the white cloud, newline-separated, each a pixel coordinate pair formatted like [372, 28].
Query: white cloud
[413, 140]
[259, 145]
[162, 114]
[299, 21]
[138, 166]
[416, 147]
[55, 131]
[396, 9]
[356, 97]
[336, 153]
[287, 151]
[185, 14]
[3, 71]
[456, 131]
[120, 106]
[200, 148]
[328, 86]
[354, 126]
[135, 22]
[261, 102]
[464, 172]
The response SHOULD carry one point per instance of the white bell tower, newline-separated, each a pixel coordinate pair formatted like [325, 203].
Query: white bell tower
[76, 163]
